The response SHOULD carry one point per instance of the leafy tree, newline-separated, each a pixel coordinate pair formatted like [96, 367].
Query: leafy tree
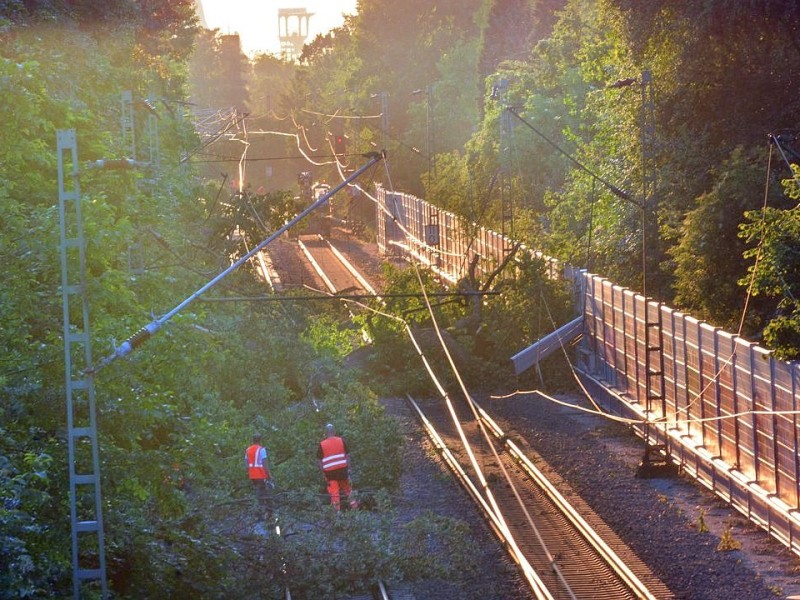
[773, 235]
[706, 281]
[704, 107]
[508, 35]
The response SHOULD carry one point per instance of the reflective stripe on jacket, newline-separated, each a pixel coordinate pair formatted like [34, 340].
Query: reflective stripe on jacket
[333, 453]
[256, 468]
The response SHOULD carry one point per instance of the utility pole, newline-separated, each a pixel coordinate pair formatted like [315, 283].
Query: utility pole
[430, 130]
[655, 401]
[500, 93]
[383, 97]
[647, 205]
[654, 339]
[650, 261]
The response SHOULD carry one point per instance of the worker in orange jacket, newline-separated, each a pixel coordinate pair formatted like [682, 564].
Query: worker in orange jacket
[257, 460]
[334, 460]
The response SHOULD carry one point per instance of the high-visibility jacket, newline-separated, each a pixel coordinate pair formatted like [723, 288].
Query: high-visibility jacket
[255, 463]
[334, 454]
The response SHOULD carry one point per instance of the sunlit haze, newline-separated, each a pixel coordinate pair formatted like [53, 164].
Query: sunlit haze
[256, 21]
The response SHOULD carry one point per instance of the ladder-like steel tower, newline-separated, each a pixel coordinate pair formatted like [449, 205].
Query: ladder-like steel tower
[654, 340]
[506, 177]
[85, 506]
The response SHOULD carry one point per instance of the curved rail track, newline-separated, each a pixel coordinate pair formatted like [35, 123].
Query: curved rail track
[571, 553]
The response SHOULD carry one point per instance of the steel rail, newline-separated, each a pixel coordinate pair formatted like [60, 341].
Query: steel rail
[317, 267]
[537, 585]
[329, 283]
[605, 551]
[353, 271]
[382, 593]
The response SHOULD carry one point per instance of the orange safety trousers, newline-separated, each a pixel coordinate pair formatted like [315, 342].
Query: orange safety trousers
[338, 488]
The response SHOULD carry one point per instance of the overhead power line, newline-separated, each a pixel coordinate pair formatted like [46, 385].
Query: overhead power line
[611, 187]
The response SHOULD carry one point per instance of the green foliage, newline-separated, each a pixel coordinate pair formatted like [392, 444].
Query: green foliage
[774, 239]
[708, 263]
[529, 306]
[30, 566]
[395, 360]
[431, 534]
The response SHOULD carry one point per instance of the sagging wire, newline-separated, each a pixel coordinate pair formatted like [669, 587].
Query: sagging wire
[339, 164]
[336, 115]
[598, 410]
[214, 138]
[297, 139]
[441, 389]
[373, 199]
[488, 439]
[572, 368]
[224, 159]
[660, 420]
[486, 436]
[302, 130]
[713, 380]
[599, 413]
[484, 483]
[271, 114]
[394, 215]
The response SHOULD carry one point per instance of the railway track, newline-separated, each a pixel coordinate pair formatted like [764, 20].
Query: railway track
[332, 267]
[569, 553]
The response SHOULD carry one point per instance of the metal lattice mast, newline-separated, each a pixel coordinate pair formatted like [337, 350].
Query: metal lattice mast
[128, 125]
[506, 199]
[152, 134]
[654, 342]
[86, 514]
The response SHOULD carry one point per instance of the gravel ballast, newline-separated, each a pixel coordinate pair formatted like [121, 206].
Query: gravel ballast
[661, 519]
